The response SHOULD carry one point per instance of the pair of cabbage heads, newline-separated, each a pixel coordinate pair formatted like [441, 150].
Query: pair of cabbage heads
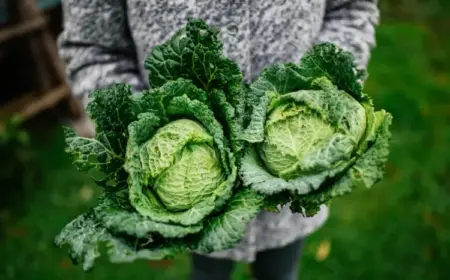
[186, 165]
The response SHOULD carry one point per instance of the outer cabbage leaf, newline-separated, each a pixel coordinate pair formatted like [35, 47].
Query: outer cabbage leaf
[127, 236]
[328, 60]
[254, 174]
[194, 53]
[85, 236]
[111, 110]
[155, 101]
[227, 228]
[117, 214]
[233, 116]
[95, 155]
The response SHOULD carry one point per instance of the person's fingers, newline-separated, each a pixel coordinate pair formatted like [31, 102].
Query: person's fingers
[84, 127]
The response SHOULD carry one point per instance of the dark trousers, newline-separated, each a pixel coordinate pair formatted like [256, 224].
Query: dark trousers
[275, 264]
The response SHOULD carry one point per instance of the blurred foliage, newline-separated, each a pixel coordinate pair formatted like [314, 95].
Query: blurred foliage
[400, 229]
[11, 133]
[17, 168]
[413, 10]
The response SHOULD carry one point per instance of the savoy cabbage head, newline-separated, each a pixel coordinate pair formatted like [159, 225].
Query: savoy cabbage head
[167, 158]
[314, 133]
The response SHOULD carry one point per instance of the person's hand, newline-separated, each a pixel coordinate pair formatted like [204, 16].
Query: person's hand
[84, 127]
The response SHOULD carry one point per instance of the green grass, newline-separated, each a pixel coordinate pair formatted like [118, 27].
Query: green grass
[400, 229]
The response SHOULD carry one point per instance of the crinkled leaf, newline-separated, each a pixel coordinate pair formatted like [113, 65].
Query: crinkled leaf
[237, 97]
[167, 147]
[112, 110]
[255, 175]
[166, 62]
[85, 237]
[140, 131]
[144, 128]
[254, 131]
[117, 215]
[370, 167]
[156, 100]
[281, 78]
[334, 106]
[194, 53]
[227, 229]
[229, 115]
[324, 60]
[330, 61]
[147, 204]
[96, 154]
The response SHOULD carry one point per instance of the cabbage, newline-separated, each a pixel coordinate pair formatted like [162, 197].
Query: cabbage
[313, 134]
[167, 158]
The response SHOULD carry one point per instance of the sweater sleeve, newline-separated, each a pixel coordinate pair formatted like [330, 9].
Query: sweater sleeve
[96, 46]
[350, 24]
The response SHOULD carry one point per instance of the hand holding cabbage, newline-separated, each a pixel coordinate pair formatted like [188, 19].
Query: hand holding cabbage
[187, 165]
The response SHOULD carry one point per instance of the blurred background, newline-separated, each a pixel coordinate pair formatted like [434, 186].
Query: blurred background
[400, 229]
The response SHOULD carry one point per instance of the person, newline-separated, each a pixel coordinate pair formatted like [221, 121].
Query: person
[106, 42]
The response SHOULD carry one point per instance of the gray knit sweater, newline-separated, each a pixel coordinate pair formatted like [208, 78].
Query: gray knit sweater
[106, 42]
